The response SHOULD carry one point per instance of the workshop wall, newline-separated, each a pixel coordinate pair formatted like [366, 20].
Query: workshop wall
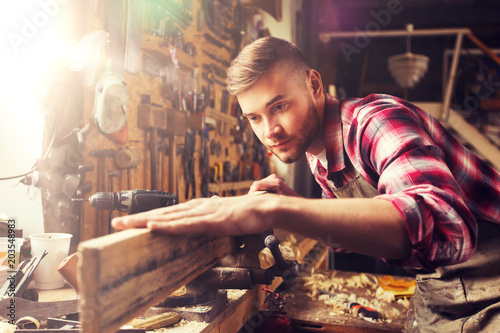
[179, 131]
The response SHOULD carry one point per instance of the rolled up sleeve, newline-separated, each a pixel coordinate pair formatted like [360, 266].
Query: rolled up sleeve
[409, 168]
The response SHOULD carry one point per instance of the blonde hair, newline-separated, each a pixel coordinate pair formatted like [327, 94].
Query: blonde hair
[259, 57]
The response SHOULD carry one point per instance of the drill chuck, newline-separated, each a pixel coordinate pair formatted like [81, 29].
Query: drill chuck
[133, 201]
[104, 200]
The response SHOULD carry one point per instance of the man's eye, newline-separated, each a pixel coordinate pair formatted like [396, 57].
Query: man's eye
[252, 119]
[279, 107]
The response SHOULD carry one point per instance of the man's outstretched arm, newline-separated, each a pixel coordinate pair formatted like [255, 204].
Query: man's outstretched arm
[368, 226]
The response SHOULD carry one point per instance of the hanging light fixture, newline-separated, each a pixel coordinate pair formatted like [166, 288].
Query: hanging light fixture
[408, 68]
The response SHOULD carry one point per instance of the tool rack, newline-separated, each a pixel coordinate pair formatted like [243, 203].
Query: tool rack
[205, 148]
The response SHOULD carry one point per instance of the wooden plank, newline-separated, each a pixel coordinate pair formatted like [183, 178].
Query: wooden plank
[230, 186]
[123, 274]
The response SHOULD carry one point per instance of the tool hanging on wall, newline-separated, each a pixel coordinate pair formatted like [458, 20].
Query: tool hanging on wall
[102, 156]
[111, 95]
[152, 118]
[188, 163]
[204, 164]
[128, 158]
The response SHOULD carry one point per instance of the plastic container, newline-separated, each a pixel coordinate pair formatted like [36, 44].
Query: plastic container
[57, 245]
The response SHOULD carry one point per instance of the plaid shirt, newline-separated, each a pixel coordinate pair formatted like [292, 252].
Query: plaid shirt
[439, 186]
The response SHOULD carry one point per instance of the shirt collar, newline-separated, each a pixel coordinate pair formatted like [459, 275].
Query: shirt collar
[334, 144]
[333, 135]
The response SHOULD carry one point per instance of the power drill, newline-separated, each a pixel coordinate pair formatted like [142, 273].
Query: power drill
[132, 201]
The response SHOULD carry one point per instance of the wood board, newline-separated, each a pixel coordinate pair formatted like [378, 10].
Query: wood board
[123, 274]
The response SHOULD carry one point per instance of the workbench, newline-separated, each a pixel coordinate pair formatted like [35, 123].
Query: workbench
[242, 306]
[313, 315]
[307, 314]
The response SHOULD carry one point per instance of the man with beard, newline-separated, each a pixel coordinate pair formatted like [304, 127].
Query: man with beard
[405, 190]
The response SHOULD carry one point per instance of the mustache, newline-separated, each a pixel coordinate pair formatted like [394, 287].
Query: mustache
[280, 139]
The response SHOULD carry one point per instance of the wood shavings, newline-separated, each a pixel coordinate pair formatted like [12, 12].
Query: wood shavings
[179, 292]
[364, 289]
[291, 242]
[184, 326]
[25, 322]
[7, 328]
[266, 258]
[361, 281]
[384, 295]
[404, 302]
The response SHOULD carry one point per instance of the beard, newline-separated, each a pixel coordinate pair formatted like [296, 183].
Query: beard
[304, 136]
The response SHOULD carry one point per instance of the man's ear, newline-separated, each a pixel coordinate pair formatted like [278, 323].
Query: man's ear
[315, 82]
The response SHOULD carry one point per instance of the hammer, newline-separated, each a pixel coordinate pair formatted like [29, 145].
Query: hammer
[152, 118]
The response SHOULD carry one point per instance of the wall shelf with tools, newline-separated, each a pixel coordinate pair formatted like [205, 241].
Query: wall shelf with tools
[183, 132]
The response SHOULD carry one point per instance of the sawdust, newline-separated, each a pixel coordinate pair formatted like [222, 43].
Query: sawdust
[235, 294]
[7, 328]
[336, 292]
[184, 326]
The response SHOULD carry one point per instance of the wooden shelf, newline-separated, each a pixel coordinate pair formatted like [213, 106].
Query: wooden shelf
[233, 186]
[209, 112]
[158, 44]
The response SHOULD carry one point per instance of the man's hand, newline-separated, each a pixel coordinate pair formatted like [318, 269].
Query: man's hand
[223, 216]
[272, 184]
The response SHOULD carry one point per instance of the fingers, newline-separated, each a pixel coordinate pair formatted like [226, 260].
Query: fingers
[183, 226]
[163, 216]
[269, 184]
[140, 220]
[122, 223]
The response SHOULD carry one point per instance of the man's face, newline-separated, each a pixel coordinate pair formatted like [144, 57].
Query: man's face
[283, 115]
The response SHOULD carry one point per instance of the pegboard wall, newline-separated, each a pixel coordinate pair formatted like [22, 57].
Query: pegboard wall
[183, 132]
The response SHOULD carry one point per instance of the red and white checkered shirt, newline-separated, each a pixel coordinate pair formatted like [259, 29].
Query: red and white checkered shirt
[439, 186]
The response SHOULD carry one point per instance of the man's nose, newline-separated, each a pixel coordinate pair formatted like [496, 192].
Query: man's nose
[272, 129]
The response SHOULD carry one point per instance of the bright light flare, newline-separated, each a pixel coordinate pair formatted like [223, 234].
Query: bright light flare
[32, 43]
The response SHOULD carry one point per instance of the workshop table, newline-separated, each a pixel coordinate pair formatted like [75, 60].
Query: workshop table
[313, 315]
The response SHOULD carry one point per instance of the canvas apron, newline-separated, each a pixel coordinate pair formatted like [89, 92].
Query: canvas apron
[456, 298]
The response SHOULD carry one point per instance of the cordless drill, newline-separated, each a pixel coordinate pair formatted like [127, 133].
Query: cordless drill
[132, 201]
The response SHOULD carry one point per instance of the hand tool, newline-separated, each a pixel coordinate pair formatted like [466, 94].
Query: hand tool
[57, 325]
[366, 311]
[188, 163]
[212, 56]
[18, 283]
[102, 155]
[37, 310]
[204, 167]
[128, 157]
[157, 321]
[152, 118]
[275, 319]
[131, 201]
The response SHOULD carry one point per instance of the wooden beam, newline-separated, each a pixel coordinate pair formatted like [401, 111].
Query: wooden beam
[123, 274]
